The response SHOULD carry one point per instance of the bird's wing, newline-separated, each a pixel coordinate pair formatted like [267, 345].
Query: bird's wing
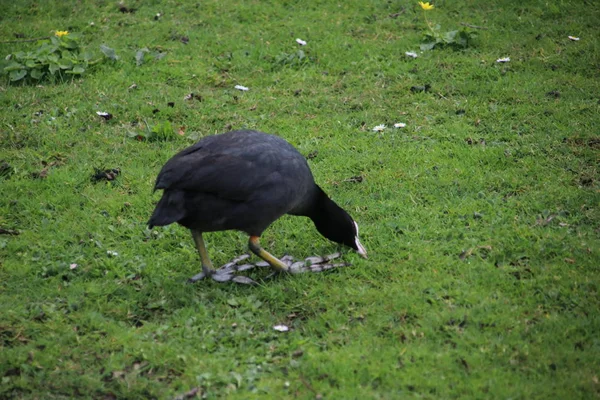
[224, 175]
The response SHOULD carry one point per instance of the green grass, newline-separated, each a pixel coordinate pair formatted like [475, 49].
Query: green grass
[480, 217]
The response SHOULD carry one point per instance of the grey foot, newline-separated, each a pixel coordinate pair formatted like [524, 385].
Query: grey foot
[226, 272]
[316, 264]
[311, 264]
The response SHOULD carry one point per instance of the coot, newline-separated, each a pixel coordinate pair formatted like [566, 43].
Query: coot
[245, 180]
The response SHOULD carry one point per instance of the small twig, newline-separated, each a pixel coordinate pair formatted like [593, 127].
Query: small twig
[474, 26]
[396, 15]
[25, 40]
[308, 385]
[147, 126]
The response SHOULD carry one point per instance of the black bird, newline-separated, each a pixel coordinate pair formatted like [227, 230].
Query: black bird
[245, 180]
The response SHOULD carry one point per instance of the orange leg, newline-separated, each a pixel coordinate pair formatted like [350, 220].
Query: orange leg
[207, 267]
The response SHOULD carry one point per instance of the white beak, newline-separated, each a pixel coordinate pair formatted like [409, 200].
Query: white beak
[361, 249]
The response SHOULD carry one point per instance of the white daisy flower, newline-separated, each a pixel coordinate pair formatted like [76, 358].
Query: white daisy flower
[379, 128]
[242, 88]
[111, 253]
[503, 60]
[411, 54]
[301, 42]
[399, 125]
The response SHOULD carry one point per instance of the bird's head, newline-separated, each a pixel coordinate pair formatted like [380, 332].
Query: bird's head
[337, 225]
[349, 237]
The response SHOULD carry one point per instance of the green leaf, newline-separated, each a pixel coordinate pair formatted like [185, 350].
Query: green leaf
[427, 46]
[66, 54]
[69, 42]
[86, 56]
[461, 41]
[13, 66]
[77, 70]
[53, 67]
[449, 36]
[36, 73]
[139, 56]
[465, 38]
[65, 64]
[233, 302]
[46, 49]
[108, 52]
[238, 378]
[162, 132]
[17, 75]
[74, 36]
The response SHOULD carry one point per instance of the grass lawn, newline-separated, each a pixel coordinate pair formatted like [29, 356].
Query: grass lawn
[481, 216]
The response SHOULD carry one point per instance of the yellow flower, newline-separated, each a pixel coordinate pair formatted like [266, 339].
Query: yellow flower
[61, 33]
[426, 6]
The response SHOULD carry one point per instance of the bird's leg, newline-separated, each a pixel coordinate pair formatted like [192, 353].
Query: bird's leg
[274, 262]
[207, 267]
[285, 264]
[223, 274]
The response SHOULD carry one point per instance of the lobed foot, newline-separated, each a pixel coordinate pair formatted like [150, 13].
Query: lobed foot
[311, 264]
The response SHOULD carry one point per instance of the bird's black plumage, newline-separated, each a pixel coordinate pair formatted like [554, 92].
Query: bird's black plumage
[245, 180]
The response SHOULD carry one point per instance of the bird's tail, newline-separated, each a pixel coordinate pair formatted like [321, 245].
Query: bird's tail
[170, 208]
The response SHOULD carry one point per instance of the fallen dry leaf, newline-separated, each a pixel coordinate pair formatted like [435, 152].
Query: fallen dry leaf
[465, 254]
[40, 175]
[355, 179]
[107, 174]
[118, 374]
[298, 353]
[545, 221]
